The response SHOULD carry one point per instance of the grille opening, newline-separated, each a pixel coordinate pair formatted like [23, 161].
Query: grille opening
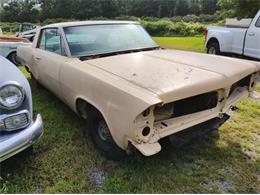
[245, 82]
[187, 106]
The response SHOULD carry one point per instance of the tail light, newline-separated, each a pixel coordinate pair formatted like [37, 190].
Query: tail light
[206, 34]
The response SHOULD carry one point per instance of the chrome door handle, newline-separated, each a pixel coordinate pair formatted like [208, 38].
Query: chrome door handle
[251, 34]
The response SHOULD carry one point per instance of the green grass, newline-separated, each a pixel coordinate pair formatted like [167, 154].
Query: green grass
[182, 43]
[65, 160]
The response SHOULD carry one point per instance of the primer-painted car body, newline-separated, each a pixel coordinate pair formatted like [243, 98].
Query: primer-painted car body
[123, 86]
[15, 141]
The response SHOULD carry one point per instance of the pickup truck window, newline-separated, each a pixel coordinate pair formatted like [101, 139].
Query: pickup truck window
[258, 23]
[51, 41]
[101, 39]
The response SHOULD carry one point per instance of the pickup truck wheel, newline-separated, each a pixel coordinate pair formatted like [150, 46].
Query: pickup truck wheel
[14, 58]
[213, 48]
[101, 137]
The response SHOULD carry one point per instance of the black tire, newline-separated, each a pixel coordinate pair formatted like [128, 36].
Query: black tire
[101, 137]
[213, 48]
[27, 69]
[14, 58]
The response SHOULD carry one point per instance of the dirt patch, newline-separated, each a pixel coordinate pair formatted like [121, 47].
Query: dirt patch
[97, 177]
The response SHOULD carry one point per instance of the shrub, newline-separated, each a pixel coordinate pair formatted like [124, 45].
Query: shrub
[55, 20]
[9, 27]
[177, 26]
[168, 28]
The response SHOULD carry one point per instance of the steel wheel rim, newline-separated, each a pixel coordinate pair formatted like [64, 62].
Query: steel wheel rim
[212, 50]
[103, 132]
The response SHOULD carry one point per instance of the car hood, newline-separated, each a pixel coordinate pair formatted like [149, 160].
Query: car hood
[174, 75]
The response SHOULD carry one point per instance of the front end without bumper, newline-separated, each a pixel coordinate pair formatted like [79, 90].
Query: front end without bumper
[13, 143]
[175, 125]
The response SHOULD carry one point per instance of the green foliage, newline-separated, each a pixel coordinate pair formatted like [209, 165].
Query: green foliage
[9, 27]
[238, 8]
[181, 8]
[27, 11]
[56, 20]
[155, 26]
[20, 11]
[194, 18]
[168, 28]
[209, 6]
[32, 11]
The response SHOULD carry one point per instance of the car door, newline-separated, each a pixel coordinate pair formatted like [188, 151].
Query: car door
[252, 44]
[49, 56]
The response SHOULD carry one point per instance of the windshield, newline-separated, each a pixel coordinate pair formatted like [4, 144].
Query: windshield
[101, 39]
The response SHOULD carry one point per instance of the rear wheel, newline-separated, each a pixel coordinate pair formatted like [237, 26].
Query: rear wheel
[14, 58]
[213, 48]
[102, 138]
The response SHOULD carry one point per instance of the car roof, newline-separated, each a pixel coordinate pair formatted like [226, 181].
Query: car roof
[90, 22]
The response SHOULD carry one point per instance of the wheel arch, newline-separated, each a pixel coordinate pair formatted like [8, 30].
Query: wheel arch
[83, 106]
[213, 40]
[10, 52]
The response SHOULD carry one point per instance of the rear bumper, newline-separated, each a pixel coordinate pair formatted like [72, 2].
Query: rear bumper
[21, 140]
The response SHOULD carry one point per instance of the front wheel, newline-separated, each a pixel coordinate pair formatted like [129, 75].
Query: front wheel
[213, 48]
[14, 58]
[102, 138]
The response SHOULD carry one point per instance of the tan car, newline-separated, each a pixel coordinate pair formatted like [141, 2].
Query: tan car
[131, 91]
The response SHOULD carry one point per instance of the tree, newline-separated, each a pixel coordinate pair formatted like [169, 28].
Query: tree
[208, 6]
[194, 7]
[181, 8]
[20, 11]
[238, 8]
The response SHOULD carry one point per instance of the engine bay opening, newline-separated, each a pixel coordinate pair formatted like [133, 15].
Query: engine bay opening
[187, 106]
[245, 82]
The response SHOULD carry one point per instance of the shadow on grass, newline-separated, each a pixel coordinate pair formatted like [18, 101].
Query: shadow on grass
[65, 161]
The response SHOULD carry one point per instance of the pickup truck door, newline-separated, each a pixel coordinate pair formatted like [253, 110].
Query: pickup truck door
[252, 41]
[49, 57]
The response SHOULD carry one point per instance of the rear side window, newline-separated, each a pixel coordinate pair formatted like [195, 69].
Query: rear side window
[51, 41]
[258, 23]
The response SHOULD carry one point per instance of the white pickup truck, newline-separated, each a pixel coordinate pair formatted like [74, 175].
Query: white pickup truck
[238, 37]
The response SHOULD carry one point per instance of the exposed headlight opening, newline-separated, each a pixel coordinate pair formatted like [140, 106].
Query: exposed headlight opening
[146, 112]
[12, 95]
[146, 131]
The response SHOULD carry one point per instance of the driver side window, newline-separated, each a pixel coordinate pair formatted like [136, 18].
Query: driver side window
[258, 23]
[51, 41]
